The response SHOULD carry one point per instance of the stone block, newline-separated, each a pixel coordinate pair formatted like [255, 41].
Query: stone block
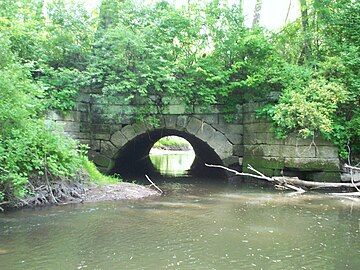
[182, 121]
[176, 109]
[295, 139]
[118, 139]
[325, 176]
[170, 121]
[251, 106]
[100, 128]
[262, 127]
[271, 139]
[141, 128]
[82, 107]
[230, 128]
[238, 150]
[264, 162]
[208, 109]
[211, 119]
[230, 161]
[103, 118]
[263, 150]
[114, 109]
[108, 149]
[255, 138]
[262, 138]
[114, 128]
[249, 118]
[221, 145]
[206, 132]
[265, 171]
[79, 135]
[327, 152]
[95, 145]
[101, 136]
[172, 100]
[70, 126]
[312, 164]
[101, 160]
[129, 132]
[234, 138]
[194, 125]
[86, 142]
[302, 151]
[237, 119]
[54, 115]
[225, 152]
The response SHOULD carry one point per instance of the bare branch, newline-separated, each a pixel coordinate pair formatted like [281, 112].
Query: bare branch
[236, 172]
[153, 184]
[352, 167]
[259, 173]
[294, 183]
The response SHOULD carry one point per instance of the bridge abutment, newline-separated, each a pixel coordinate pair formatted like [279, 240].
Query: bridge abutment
[246, 140]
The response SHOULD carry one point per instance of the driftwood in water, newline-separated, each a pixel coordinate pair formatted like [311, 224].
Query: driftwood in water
[296, 184]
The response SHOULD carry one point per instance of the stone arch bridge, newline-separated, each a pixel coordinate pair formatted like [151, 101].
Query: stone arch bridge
[119, 144]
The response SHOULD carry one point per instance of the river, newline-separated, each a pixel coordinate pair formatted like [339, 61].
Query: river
[197, 224]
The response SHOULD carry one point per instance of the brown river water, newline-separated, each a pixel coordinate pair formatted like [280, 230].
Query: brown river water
[197, 224]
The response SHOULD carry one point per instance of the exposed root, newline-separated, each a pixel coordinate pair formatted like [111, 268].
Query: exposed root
[55, 191]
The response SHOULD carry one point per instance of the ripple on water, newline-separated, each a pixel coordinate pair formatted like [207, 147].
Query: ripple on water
[223, 228]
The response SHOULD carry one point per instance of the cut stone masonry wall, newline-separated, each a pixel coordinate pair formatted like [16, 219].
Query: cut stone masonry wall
[312, 159]
[248, 140]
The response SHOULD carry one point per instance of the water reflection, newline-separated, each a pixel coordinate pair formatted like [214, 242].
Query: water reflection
[171, 163]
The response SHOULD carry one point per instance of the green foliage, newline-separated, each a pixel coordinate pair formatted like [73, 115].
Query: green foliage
[326, 98]
[28, 145]
[55, 48]
[308, 109]
[201, 55]
[151, 54]
[172, 142]
[96, 176]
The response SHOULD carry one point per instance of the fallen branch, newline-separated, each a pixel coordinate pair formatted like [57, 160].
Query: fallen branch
[352, 167]
[294, 183]
[355, 194]
[260, 175]
[153, 184]
[2, 203]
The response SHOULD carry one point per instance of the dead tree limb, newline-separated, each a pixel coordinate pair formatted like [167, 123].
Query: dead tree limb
[153, 184]
[294, 183]
[351, 167]
[260, 175]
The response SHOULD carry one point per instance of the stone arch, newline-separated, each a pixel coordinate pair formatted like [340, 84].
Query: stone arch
[129, 146]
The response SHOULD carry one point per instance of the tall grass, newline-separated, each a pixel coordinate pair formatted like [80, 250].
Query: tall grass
[96, 176]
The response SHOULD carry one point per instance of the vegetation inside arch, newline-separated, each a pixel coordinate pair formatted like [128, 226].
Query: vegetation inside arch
[172, 155]
[151, 153]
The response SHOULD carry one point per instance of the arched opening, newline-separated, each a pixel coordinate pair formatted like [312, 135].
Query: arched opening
[133, 159]
[172, 156]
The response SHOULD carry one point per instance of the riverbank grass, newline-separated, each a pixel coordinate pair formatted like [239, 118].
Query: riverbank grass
[97, 177]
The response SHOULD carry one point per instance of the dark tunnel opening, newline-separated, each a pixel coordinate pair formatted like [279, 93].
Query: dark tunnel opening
[133, 159]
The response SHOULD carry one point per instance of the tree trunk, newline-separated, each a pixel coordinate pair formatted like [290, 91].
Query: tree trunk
[306, 52]
[256, 18]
